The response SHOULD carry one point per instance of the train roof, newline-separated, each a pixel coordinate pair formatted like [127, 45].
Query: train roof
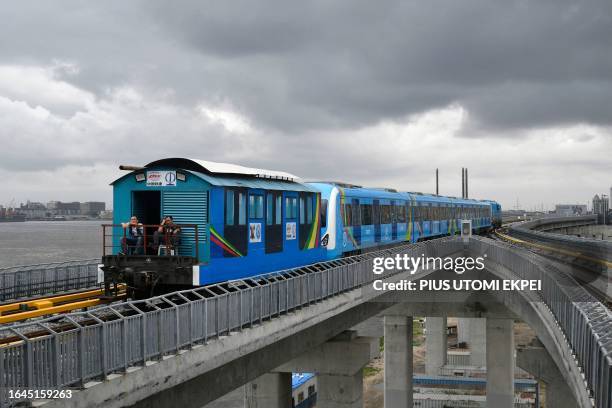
[229, 175]
[209, 167]
[253, 182]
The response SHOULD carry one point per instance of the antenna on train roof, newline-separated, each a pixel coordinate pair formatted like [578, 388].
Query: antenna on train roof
[130, 168]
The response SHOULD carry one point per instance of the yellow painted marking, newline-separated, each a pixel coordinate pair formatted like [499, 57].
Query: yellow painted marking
[17, 311]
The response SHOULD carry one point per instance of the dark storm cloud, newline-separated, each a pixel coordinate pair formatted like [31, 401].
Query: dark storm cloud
[306, 65]
[514, 63]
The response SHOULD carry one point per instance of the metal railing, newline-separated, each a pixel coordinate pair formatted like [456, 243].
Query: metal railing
[69, 350]
[594, 247]
[175, 239]
[72, 349]
[586, 322]
[44, 279]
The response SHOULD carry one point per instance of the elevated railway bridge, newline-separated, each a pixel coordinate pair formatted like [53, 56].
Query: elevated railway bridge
[196, 347]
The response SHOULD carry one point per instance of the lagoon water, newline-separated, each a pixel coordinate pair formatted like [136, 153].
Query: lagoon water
[33, 242]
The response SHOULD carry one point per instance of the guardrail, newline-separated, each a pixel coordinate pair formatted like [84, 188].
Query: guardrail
[69, 350]
[586, 323]
[529, 230]
[44, 279]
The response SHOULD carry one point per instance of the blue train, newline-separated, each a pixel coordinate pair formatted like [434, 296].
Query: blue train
[232, 222]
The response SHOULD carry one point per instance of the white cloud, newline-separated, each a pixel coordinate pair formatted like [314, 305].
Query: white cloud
[49, 154]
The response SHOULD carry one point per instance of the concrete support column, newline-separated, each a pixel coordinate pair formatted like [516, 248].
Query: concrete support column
[340, 391]
[398, 362]
[472, 331]
[536, 360]
[500, 363]
[272, 390]
[338, 365]
[463, 330]
[435, 344]
[478, 342]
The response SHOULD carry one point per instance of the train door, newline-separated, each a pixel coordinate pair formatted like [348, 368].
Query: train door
[274, 222]
[146, 205]
[356, 218]
[290, 221]
[376, 219]
[394, 210]
[306, 216]
[256, 222]
[235, 227]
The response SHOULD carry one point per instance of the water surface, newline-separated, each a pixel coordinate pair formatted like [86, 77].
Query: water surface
[32, 242]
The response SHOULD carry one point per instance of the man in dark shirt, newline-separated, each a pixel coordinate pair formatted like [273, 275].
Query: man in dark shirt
[169, 233]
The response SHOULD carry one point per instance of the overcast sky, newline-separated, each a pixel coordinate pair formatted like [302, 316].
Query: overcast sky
[375, 93]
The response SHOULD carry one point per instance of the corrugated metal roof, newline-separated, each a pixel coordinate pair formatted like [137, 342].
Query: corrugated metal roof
[220, 168]
[248, 182]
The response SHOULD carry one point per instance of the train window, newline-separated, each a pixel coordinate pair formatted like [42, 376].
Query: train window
[366, 214]
[376, 214]
[302, 210]
[255, 206]
[291, 207]
[229, 207]
[385, 214]
[269, 209]
[309, 209]
[323, 213]
[279, 210]
[401, 213]
[241, 208]
[348, 215]
[356, 213]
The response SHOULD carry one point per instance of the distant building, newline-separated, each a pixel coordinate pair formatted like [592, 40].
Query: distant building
[92, 208]
[33, 210]
[568, 210]
[601, 205]
[106, 215]
[60, 208]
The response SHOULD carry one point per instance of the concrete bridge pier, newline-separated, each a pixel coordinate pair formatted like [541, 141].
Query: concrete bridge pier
[436, 344]
[536, 360]
[472, 331]
[398, 361]
[500, 363]
[338, 365]
[272, 390]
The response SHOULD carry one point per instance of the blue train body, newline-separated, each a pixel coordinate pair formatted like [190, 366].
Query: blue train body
[252, 221]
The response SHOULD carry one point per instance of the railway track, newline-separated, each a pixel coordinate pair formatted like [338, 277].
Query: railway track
[579, 265]
[45, 306]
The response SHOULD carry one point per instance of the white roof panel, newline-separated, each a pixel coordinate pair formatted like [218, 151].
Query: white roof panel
[221, 168]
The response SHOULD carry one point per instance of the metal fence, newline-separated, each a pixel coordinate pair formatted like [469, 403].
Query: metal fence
[69, 350]
[44, 279]
[72, 349]
[586, 323]
[587, 246]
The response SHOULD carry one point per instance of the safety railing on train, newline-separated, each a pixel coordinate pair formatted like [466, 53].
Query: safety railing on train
[586, 322]
[29, 281]
[69, 350]
[152, 239]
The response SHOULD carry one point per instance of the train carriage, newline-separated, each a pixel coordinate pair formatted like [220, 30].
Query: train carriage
[235, 222]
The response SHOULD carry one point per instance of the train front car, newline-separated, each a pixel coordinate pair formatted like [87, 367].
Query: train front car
[228, 222]
[496, 216]
[358, 218]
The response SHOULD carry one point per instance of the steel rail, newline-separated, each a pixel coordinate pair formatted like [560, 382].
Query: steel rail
[23, 310]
